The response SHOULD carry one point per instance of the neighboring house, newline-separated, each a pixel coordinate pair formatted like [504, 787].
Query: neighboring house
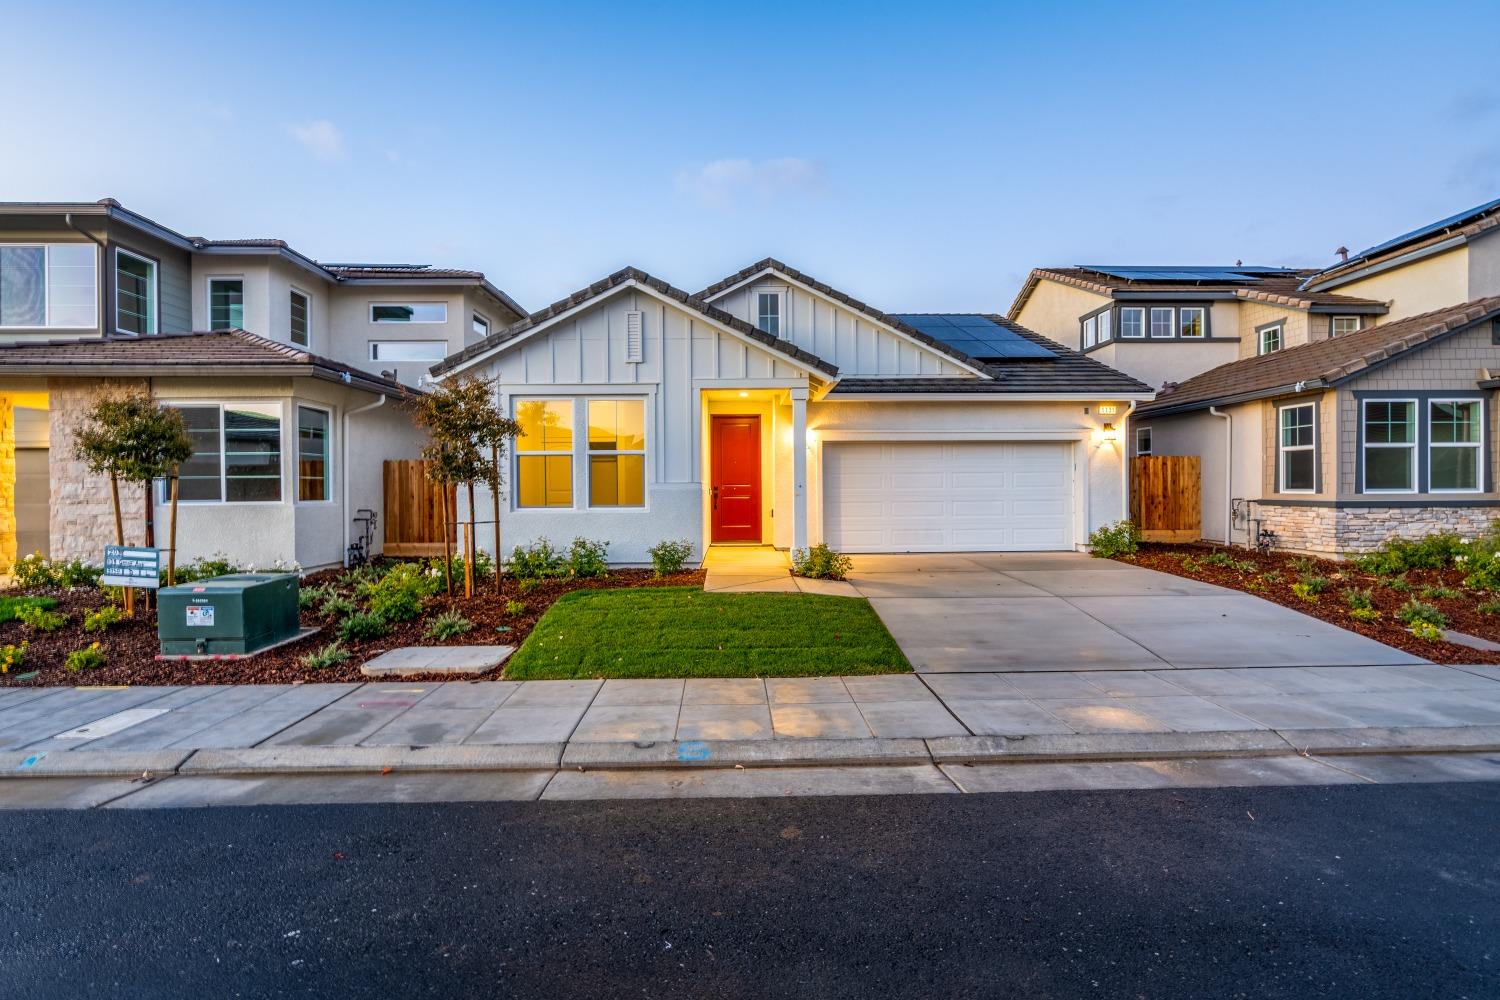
[1338, 444]
[94, 296]
[771, 408]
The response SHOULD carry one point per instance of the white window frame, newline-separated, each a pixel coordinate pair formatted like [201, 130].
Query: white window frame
[1140, 312]
[779, 296]
[291, 334]
[209, 284]
[1088, 332]
[154, 315]
[477, 318]
[1260, 338]
[1147, 432]
[1105, 332]
[1333, 324]
[408, 322]
[1171, 322]
[224, 501]
[516, 454]
[1365, 445]
[588, 453]
[440, 345]
[1282, 449]
[47, 324]
[297, 408]
[1478, 447]
[1182, 313]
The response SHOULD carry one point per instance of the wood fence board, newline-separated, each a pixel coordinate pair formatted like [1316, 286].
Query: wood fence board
[413, 509]
[1166, 500]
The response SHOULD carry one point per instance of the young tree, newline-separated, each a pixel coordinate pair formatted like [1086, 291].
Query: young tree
[496, 430]
[456, 415]
[130, 438]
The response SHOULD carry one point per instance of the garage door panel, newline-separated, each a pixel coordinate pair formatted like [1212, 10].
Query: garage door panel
[950, 496]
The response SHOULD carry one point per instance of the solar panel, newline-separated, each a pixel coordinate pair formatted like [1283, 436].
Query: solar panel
[1427, 230]
[974, 335]
[1245, 275]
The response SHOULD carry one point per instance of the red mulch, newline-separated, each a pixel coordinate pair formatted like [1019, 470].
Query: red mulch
[1463, 614]
[132, 646]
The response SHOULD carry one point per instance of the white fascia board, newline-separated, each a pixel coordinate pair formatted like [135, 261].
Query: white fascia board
[989, 397]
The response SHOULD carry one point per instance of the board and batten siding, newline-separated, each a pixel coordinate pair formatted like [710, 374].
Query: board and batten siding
[856, 344]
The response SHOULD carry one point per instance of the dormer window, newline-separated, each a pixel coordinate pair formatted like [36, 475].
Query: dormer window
[768, 312]
[1342, 325]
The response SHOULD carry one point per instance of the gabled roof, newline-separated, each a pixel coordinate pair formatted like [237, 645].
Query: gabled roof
[1432, 238]
[1277, 286]
[1320, 364]
[626, 276]
[772, 265]
[216, 353]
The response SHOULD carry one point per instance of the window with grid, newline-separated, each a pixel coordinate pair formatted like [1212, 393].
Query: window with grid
[1270, 339]
[1298, 445]
[236, 454]
[768, 312]
[1161, 321]
[1455, 429]
[1345, 324]
[1191, 322]
[1390, 445]
[1132, 322]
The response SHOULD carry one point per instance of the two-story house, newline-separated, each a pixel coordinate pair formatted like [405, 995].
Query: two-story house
[1360, 403]
[292, 375]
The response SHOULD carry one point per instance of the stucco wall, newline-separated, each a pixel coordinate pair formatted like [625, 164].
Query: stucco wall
[1053, 310]
[1484, 265]
[351, 331]
[1164, 361]
[1418, 287]
[1203, 434]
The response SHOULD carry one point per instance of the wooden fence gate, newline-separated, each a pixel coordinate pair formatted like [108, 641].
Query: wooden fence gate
[1166, 500]
[414, 510]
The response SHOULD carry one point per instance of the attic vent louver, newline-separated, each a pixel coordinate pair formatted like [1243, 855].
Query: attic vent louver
[633, 345]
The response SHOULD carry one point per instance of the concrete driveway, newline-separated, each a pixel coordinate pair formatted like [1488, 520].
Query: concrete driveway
[984, 612]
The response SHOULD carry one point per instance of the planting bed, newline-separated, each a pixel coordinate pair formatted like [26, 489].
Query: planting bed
[1462, 612]
[131, 646]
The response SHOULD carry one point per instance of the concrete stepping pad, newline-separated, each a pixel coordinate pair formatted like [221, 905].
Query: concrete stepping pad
[411, 661]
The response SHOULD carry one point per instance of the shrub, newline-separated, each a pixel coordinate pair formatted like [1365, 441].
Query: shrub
[536, 561]
[484, 566]
[526, 586]
[106, 617]
[360, 577]
[514, 608]
[1218, 557]
[1414, 611]
[204, 567]
[310, 597]
[447, 625]
[588, 560]
[330, 655]
[398, 595]
[1399, 584]
[1271, 576]
[1488, 607]
[668, 557]
[1303, 566]
[1439, 593]
[36, 570]
[40, 619]
[1483, 571]
[90, 657]
[1364, 614]
[1190, 563]
[1305, 593]
[1398, 555]
[361, 625]
[821, 563]
[1359, 600]
[12, 656]
[1255, 583]
[1426, 631]
[1314, 584]
[1112, 541]
[336, 606]
[10, 607]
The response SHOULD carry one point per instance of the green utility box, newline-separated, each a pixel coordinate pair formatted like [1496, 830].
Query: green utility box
[227, 615]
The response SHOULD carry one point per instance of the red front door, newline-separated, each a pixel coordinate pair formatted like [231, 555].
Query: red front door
[734, 485]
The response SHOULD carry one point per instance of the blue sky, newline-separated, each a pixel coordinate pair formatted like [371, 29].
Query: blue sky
[922, 157]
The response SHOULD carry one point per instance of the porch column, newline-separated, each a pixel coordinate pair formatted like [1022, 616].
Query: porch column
[799, 468]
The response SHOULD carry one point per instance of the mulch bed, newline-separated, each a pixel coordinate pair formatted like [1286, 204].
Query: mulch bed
[1463, 614]
[132, 646]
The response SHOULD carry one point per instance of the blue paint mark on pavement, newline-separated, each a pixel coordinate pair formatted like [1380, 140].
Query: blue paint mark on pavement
[692, 750]
[31, 761]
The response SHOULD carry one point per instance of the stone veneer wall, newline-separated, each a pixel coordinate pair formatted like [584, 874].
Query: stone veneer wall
[82, 518]
[7, 484]
[1362, 529]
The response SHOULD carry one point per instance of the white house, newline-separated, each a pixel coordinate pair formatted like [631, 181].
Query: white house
[771, 408]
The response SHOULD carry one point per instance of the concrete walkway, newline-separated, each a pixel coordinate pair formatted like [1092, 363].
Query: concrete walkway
[752, 569]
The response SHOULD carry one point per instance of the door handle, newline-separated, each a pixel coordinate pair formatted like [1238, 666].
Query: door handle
[713, 493]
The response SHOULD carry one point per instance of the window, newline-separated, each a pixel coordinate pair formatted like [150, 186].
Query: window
[1390, 445]
[313, 466]
[236, 454]
[1143, 440]
[409, 312]
[1132, 322]
[1191, 322]
[300, 324]
[544, 453]
[1341, 325]
[226, 304]
[49, 286]
[480, 326]
[1298, 448]
[1455, 429]
[768, 312]
[408, 350]
[1161, 321]
[135, 293]
[617, 453]
[1270, 339]
[1088, 333]
[1104, 324]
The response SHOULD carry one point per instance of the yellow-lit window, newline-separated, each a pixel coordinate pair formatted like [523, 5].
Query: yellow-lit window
[617, 453]
[544, 453]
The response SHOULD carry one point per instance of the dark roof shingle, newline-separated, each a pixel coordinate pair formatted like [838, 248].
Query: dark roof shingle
[1282, 288]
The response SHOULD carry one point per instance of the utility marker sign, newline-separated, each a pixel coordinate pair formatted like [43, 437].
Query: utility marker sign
[200, 615]
[125, 566]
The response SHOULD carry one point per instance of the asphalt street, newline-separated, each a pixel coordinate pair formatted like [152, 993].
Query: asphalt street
[1337, 891]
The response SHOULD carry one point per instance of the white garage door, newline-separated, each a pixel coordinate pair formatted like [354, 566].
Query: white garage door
[943, 496]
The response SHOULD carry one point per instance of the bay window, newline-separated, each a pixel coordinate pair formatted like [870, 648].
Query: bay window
[135, 293]
[1455, 445]
[1132, 322]
[1390, 445]
[236, 453]
[544, 453]
[1104, 326]
[617, 453]
[1089, 333]
[1297, 448]
[1161, 321]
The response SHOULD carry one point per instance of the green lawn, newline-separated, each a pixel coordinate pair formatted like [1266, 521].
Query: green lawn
[10, 607]
[683, 632]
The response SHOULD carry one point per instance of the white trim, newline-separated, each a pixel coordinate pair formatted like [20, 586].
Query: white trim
[307, 310]
[1260, 338]
[580, 469]
[1411, 448]
[1477, 447]
[1282, 449]
[281, 423]
[154, 315]
[442, 346]
[475, 314]
[1138, 431]
[1121, 334]
[779, 295]
[370, 312]
[208, 286]
[1359, 324]
[46, 249]
[297, 407]
[1202, 322]
[905, 434]
[987, 397]
[1171, 333]
[644, 451]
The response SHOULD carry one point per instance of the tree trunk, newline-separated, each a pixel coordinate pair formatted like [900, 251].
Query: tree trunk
[495, 497]
[447, 543]
[172, 537]
[114, 496]
[472, 539]
[150, 532]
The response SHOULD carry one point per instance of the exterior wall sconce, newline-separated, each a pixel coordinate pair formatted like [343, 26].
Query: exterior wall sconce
[1108, 433]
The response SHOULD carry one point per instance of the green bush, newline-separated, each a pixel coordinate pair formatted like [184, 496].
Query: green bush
[398, 595]
[1112, 541]
[514, 608]
[1190, 564]
[90, 657]
[1218, 557]
[10, 607]
[1398, 555]
[1359, 600]
[447, 625]
[1271, 576]
[1364, 614]
[203, 568]
[484, 566]
[821, 563]
[1304, 592]
[12, 656]
[1400, 584]
[361, 625]
[1488, 607]
[1303, 566]
[1439, 593]
[1315, 584]
[1426, 631]
[668, 557]
[526, 586]
[336, 606]
[40, 619]
[310, 597]
[361, 577]
[588, 560]
[330, 655]
[1414, 611]
[1483, 567]
[105, 617]
[536, 561]
[36, 570]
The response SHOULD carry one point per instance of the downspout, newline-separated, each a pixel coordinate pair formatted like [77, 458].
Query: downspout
[1125, 438]
[1228, 473]
[344, 465]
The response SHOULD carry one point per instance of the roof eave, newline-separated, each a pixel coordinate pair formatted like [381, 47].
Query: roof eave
[1289, 389]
